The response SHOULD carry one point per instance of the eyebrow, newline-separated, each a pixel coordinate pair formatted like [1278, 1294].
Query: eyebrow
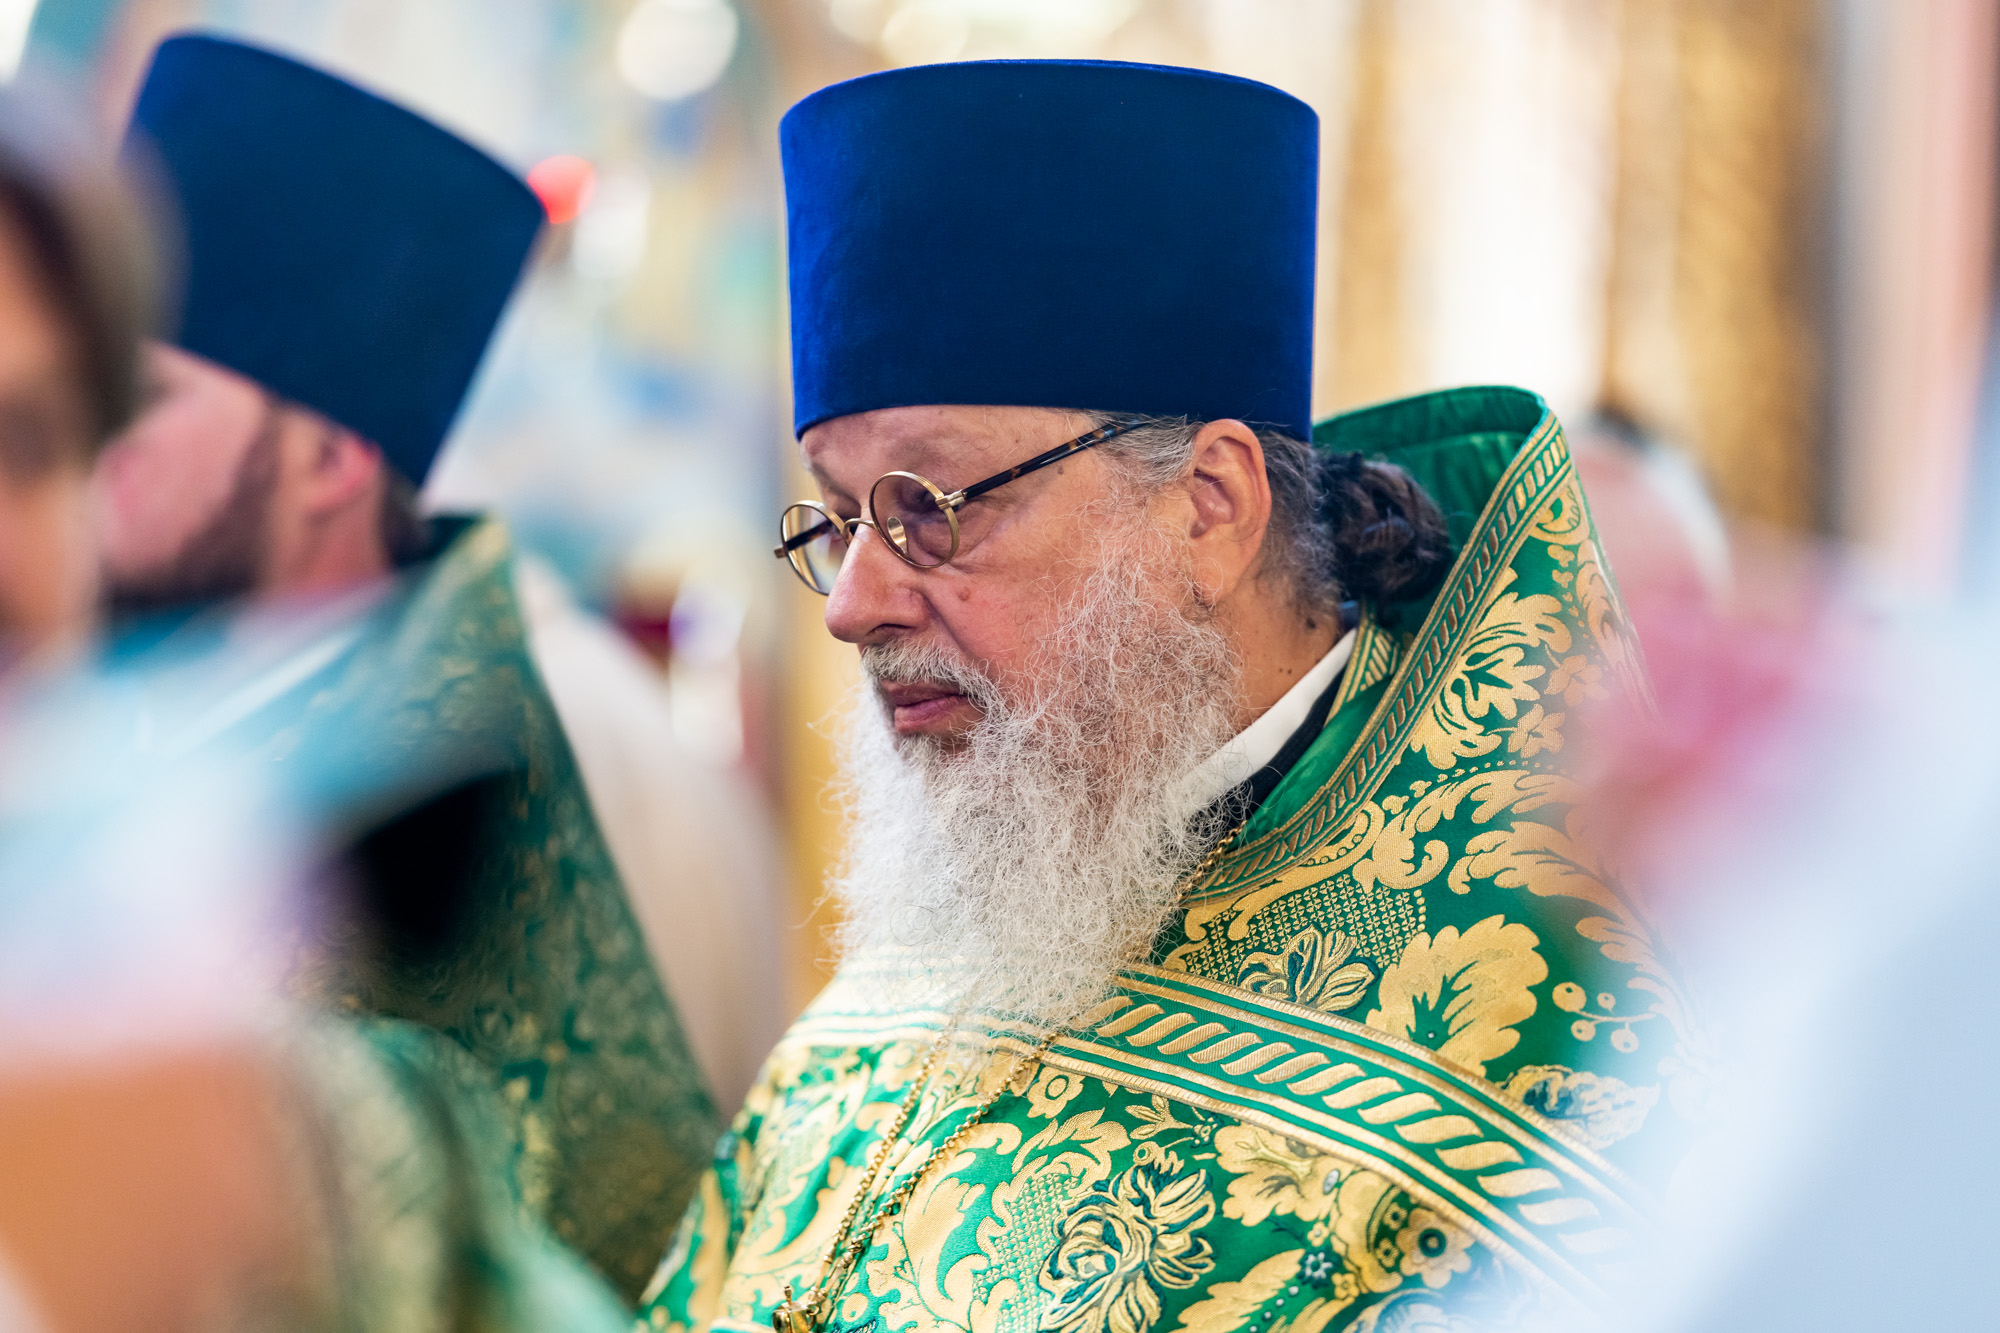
[827, 485]
[929, 453]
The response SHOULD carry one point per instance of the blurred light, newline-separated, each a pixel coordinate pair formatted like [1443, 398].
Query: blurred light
[857, 20]
[923, 34]
[916, 32]
[611, 235]
[670, 49]
[564, 184]
[16, 18]
[705, 675]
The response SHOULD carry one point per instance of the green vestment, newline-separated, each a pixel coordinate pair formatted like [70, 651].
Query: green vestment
[426, 734]
[416, 1226]
[1406, 1057]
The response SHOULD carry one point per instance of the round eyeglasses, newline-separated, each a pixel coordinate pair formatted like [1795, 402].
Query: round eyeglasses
[915, 517]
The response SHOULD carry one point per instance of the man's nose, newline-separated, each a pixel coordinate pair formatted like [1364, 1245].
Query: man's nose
[873, 592]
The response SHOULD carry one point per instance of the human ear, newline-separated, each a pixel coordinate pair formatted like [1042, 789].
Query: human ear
[1230, 503]
[339, 465]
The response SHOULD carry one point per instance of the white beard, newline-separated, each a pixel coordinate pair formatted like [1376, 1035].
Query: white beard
[1015, 874]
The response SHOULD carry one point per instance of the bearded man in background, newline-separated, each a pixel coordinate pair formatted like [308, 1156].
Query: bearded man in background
[181, 1146]
[1219, 952]
[347, 262]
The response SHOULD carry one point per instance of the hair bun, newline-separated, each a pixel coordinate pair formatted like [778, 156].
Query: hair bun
[1389, 538]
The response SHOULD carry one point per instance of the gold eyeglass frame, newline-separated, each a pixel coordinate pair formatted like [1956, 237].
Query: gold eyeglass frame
[791, 549]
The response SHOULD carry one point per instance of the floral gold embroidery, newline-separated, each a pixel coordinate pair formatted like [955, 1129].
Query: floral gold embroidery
[1312, 970]
[1576, 679]
[1133, 1235]
[1462, 995]
[1274, 1174]
[1552, 862]
[1369, 1211]
[1052, 1090]
[1158, 1121]
[1599, 1108]
[1433, 1249]
[1401, 856]
[1536, 732]
[1492, 677]
[1230, 1306]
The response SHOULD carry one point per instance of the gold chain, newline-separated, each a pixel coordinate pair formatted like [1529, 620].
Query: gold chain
[795, 1315]
[1215, 853]
[803, 1316]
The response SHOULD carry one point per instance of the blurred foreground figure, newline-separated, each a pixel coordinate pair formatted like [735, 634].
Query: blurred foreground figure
[1222, 950]
[1656, 522]
[179, 1147]
[157, 1164]
[346, 264]
[1810, 808]
[71, 255]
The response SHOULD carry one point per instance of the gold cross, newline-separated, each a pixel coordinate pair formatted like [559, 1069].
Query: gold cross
[794, 1316]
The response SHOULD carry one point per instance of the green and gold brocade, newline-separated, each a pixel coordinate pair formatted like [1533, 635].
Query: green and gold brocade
[416, 1227]
[1407, 1055]
[544, 978]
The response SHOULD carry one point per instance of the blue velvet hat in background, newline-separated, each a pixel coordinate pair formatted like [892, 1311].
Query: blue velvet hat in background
[344, 252]
[1053, 233]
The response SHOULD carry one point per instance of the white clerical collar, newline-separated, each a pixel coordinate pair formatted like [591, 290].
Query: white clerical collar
[1258, 744]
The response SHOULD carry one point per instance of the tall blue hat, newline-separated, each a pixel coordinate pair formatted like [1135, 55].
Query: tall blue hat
[344, 252]
[1053, 233]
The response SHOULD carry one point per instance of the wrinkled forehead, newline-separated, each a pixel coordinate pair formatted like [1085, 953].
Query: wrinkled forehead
[951, 444]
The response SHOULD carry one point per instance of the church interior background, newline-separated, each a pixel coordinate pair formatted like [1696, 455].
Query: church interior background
[1742, 246]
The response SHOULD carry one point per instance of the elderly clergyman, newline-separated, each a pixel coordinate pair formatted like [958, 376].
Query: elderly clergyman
[1221, 951]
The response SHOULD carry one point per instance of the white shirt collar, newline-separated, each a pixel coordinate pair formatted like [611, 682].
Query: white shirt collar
[1258, 744]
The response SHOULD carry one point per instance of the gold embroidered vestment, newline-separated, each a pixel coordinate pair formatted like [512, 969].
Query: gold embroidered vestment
[1407, 1057]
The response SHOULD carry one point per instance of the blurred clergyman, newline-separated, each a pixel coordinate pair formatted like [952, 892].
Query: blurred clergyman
[1221, 950]
[180, 1147]
[346, 262]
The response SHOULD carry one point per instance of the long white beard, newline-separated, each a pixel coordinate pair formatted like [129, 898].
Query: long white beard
[1016, 873]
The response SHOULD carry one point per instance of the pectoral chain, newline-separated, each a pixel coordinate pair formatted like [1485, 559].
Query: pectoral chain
[805, 1314]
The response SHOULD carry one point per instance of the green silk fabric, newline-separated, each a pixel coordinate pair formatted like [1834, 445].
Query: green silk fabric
[1408, 1056]
[417, 1227]
[547, 985]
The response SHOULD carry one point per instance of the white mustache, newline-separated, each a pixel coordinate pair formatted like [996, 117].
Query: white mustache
[909, 662]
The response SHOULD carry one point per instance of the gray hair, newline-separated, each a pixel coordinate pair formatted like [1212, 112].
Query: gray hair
[1341, 526]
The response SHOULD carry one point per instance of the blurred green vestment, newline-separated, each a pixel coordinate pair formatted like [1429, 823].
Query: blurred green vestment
[490, 910]
[415, 1226]
[1406, 1058]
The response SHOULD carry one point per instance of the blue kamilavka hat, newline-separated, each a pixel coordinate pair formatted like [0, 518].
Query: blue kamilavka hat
[1053, 233]
[344, 252]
